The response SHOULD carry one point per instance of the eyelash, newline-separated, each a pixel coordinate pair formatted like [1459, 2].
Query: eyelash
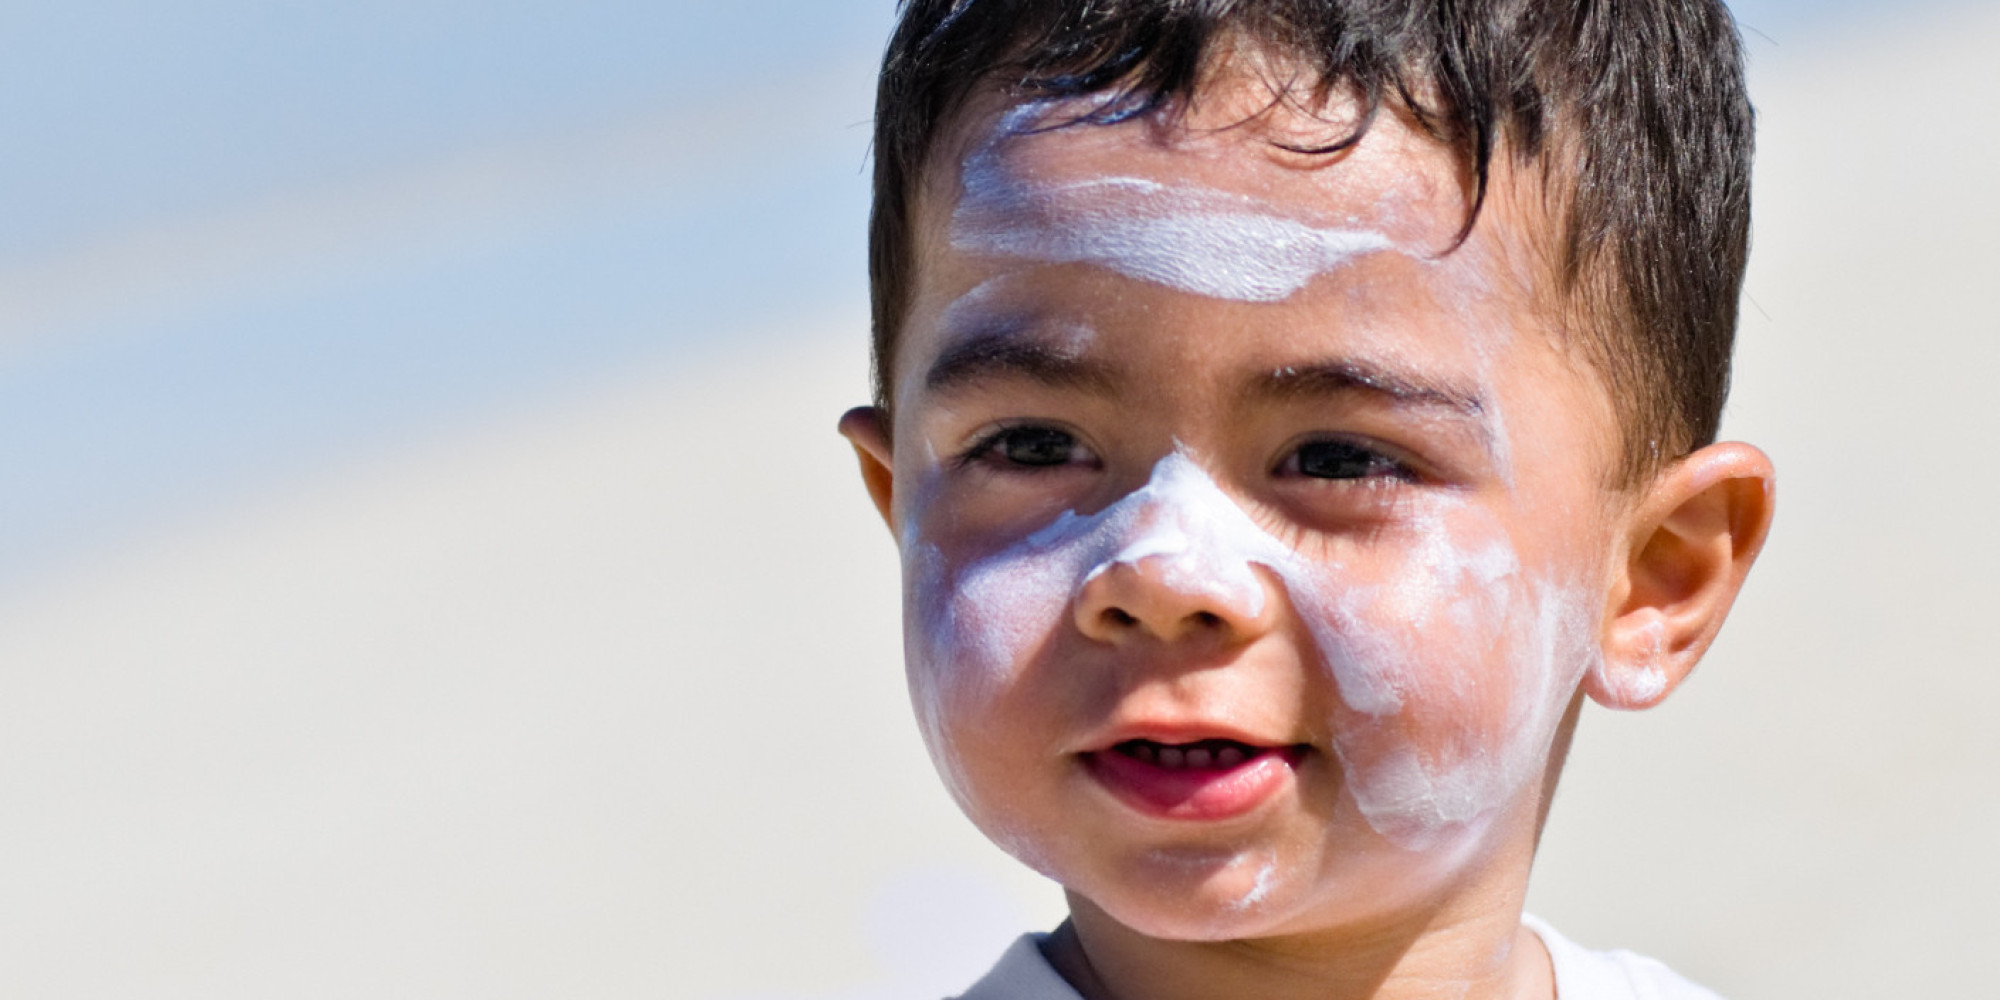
[988, 448]
[1370, 465]
[1376, 465]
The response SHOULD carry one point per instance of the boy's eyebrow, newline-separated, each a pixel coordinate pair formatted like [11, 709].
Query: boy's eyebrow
[1346, 375]
[1011, 354]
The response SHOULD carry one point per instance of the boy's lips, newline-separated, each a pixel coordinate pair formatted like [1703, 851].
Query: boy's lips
[1208, 779]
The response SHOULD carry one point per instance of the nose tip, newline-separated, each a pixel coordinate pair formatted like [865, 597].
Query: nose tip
[1157, 597]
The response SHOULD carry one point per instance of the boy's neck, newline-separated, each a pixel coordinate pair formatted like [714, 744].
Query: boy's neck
[1484, 954]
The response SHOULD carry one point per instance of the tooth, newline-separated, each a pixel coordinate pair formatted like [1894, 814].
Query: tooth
[1146, 752]
[1172, 756]
[1229, 756]
[1199, 757]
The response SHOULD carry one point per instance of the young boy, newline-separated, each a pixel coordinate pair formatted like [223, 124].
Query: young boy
[1288, 410]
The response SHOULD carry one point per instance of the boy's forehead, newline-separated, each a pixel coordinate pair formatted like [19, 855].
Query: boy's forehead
[1234, 139]
[1032, 181]
[1021, 186]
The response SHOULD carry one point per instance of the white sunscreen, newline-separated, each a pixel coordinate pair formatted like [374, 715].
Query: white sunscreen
[1196, 240]
[988, 616]
[1401, 636]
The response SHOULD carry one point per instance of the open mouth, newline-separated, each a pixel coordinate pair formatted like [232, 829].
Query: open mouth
[1200, 780]
[1190, 756]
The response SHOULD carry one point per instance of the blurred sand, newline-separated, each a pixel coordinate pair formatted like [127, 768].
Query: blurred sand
[606, 700]
[1815, 814]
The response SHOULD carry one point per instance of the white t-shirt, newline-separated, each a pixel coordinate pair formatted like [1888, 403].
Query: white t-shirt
[1581, 974]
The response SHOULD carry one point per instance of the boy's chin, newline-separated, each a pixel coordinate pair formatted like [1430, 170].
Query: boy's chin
[1191, 897]
[1192, 919]
[1196, 897]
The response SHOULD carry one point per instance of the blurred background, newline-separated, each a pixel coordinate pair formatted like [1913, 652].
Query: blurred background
[427, 567]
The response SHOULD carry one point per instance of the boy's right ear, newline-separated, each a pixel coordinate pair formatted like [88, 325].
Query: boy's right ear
[867, 429]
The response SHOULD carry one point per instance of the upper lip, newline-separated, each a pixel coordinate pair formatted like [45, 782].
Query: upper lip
[1180, 732]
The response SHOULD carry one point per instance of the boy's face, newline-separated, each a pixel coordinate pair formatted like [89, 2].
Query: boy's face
[1254, 545]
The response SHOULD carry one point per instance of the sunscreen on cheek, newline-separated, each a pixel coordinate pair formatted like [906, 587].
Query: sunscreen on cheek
[1452, 666]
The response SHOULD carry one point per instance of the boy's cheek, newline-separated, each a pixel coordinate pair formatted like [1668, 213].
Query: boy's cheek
[976, 627]
[1452, 668]
[973, 617]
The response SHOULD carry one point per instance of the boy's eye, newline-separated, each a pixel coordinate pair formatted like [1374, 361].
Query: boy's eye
[1035, 447]
[1338, 459]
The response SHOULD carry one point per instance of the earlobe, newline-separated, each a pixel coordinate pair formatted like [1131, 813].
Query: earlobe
[867, 429]
[1694, 535]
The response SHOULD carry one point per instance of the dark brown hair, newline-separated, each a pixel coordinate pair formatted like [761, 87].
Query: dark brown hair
[1633, 113]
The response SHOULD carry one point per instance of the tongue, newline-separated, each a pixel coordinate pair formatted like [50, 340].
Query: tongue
[1212, 792]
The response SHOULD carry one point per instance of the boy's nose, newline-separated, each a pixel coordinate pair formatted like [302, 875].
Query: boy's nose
[1159, 597]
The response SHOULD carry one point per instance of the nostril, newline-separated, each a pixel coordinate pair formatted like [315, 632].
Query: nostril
[1207, 619]
[1119, 617]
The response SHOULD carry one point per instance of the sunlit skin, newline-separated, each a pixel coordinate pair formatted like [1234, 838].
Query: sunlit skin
[1406, 403]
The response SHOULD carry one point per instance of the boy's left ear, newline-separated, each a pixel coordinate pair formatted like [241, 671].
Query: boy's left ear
[1694, 533]
[867, 429]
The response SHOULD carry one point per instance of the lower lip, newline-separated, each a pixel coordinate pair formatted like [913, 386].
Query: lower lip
[1207, 793]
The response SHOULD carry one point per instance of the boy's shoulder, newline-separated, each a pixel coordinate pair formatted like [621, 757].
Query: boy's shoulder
[1024, 973]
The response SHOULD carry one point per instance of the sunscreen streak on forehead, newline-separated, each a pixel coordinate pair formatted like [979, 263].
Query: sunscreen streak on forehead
[1196, 240]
